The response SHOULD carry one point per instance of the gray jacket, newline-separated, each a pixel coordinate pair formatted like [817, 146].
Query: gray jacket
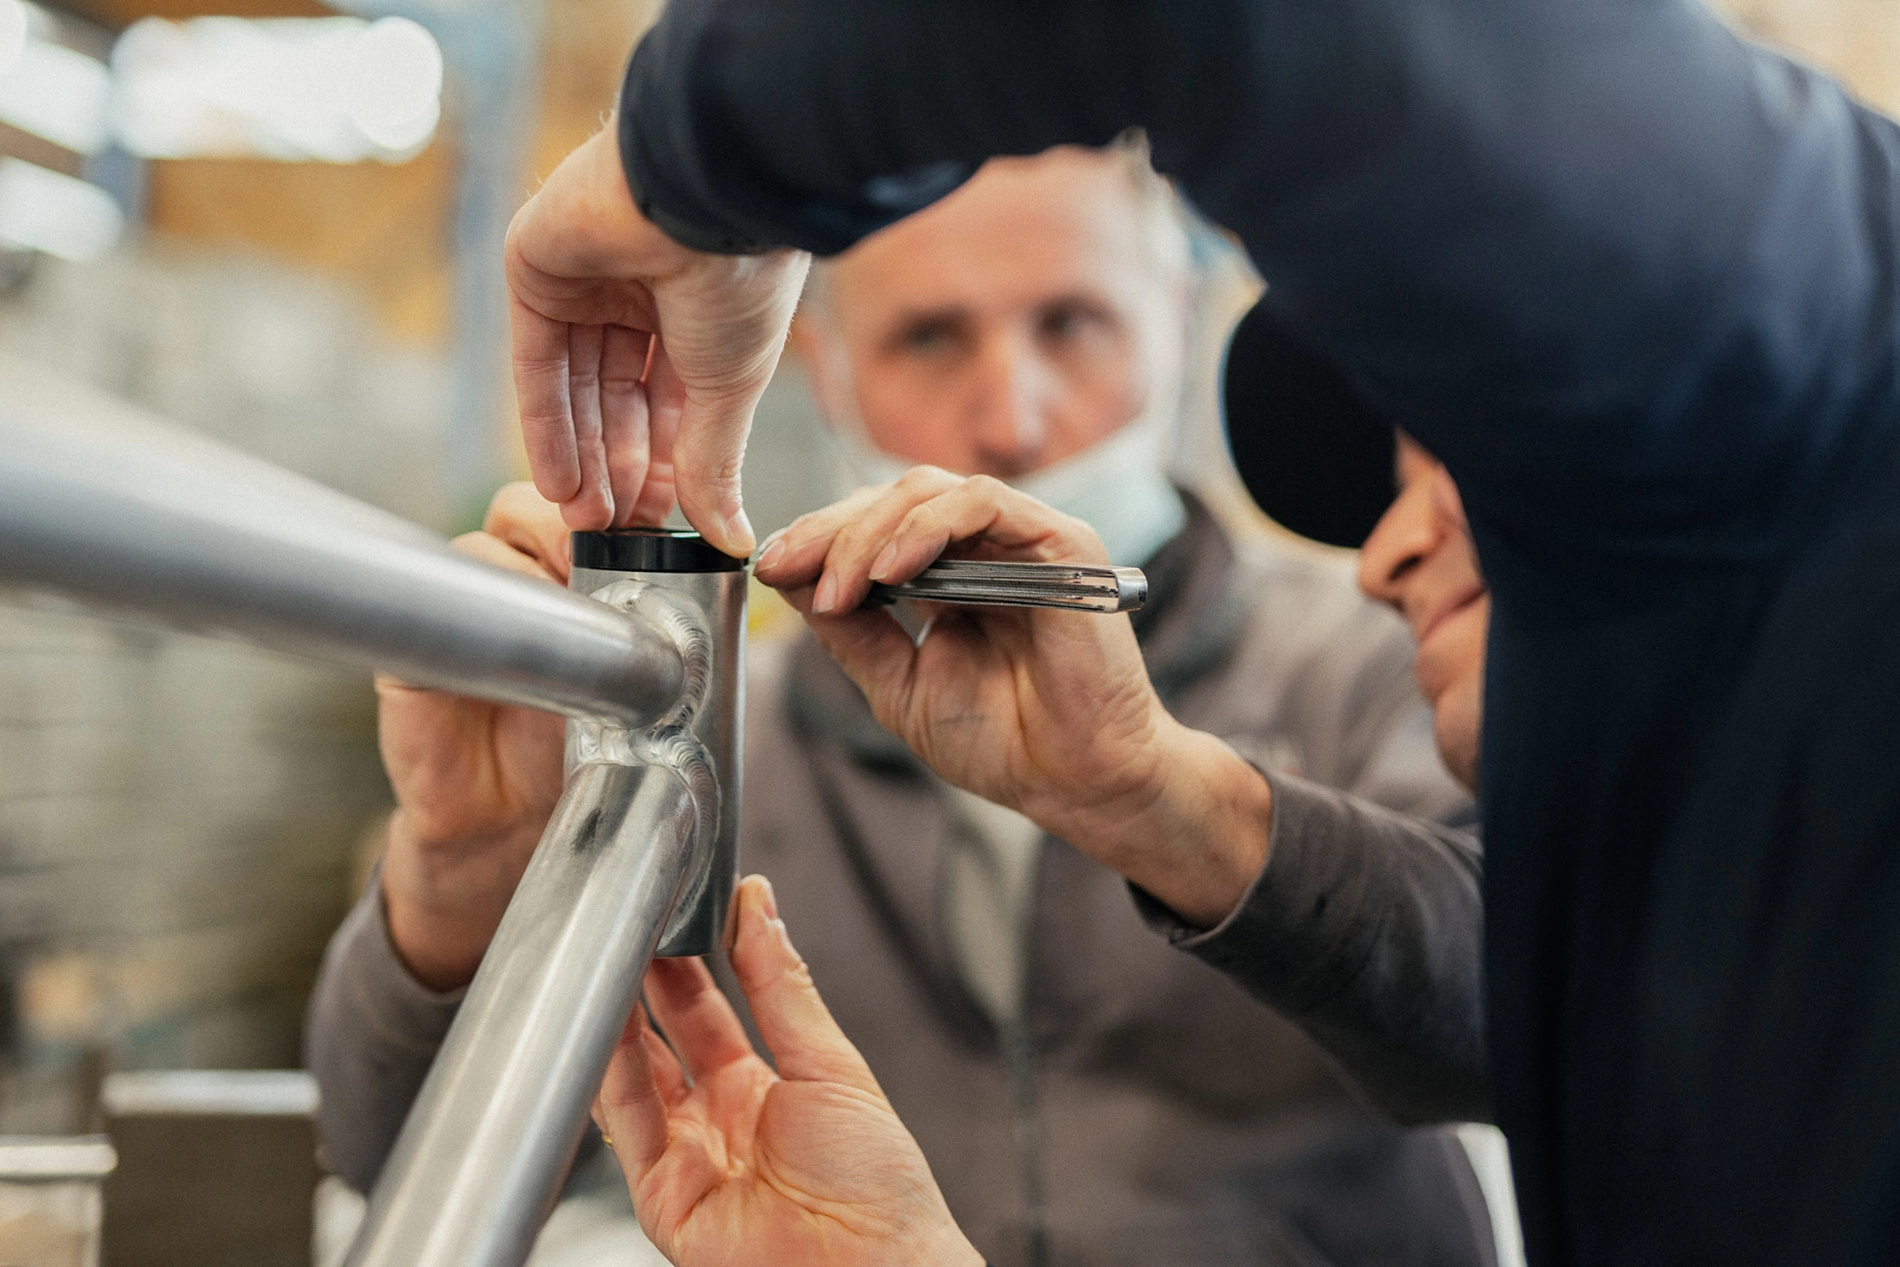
[1148, 1111]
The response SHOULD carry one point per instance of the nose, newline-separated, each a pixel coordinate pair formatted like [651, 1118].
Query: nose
[1015, 392]
[1405, 535]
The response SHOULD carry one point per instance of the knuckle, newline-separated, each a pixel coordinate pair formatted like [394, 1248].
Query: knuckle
[924, 478]
[728, 468]
[928, 515]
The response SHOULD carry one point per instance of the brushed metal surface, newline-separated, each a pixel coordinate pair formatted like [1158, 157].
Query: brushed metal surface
[481, 1157]
[139, 518]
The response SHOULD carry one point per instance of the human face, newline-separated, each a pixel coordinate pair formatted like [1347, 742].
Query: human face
[1420, 559]
[1017, 322]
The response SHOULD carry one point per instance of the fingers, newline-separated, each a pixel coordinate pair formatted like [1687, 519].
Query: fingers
[581, 258]
[540, 350]
[723, 324]
[666, 397]
[795, 556]
[805, 1042]
[527, 523]
[624, 418]
[506, 554]
[1003, 518]
[592, 505]
[631, 1107]
[594, 446]
[578, 258]
[890, 534]
[708, 453]
[862, 539]
[704, 1029]
[424, 737]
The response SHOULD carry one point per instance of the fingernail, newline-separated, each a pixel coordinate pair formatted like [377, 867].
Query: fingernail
[784, 937]
[882, 568]
[768, 900]
[826, 595]
[773, 552]
[739, 534]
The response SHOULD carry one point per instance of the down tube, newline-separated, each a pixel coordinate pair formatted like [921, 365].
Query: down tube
[492, 1133]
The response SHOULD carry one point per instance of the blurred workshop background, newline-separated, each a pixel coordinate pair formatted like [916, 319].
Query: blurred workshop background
[280, 223]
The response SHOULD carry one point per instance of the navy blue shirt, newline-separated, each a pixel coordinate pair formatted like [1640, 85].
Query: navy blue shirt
[1635, 281]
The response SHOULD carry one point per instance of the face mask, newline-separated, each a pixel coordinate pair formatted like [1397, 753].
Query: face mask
[1118, 486]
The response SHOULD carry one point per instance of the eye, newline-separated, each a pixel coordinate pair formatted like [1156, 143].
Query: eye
[928, 336]
[1070, 319]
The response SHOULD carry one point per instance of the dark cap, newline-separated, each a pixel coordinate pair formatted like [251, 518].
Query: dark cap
[650, 550]
[1313, 454]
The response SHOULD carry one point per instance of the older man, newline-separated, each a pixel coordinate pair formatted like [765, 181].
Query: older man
[1083, 1093]
[1364, 925]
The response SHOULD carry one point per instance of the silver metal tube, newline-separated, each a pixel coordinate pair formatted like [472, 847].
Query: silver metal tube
[713, 603]
[481, 1157]
[101, 503]
[134, 516]
[483, 1152]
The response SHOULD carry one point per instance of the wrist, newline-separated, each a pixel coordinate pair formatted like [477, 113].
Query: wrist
[1198, 835]
[444, 904]
[621, 241]
[951, 1247]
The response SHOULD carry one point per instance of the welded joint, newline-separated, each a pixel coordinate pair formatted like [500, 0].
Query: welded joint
[670, 742]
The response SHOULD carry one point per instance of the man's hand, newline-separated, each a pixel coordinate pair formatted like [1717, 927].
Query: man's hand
[637, 362]
[730, 1162]
[474, 781]
[1048, 712]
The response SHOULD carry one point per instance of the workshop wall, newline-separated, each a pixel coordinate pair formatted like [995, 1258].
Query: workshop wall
[179, 818]
[183, 823]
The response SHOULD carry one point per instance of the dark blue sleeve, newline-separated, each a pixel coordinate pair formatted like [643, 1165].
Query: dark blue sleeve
[1633, 278]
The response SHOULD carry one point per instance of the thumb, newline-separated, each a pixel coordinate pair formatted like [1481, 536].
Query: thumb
[805, 1042]
[708, 452]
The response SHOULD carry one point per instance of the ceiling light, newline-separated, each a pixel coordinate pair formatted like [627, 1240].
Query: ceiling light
[47, 211]
[52, 91]
[393, 87]
[12, 33]
[333, 89]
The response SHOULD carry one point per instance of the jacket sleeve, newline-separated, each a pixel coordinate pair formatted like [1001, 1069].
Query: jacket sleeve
[372, 1033]
[1629, 275]
[1367, 929]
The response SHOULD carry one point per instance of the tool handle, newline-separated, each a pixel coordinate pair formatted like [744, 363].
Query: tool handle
[1064, 586]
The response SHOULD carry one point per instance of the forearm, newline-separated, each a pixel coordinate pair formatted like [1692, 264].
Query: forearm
[371, 1035]
[1195, 836]
[1367, 929]
[1546, 235]
[892, 104]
